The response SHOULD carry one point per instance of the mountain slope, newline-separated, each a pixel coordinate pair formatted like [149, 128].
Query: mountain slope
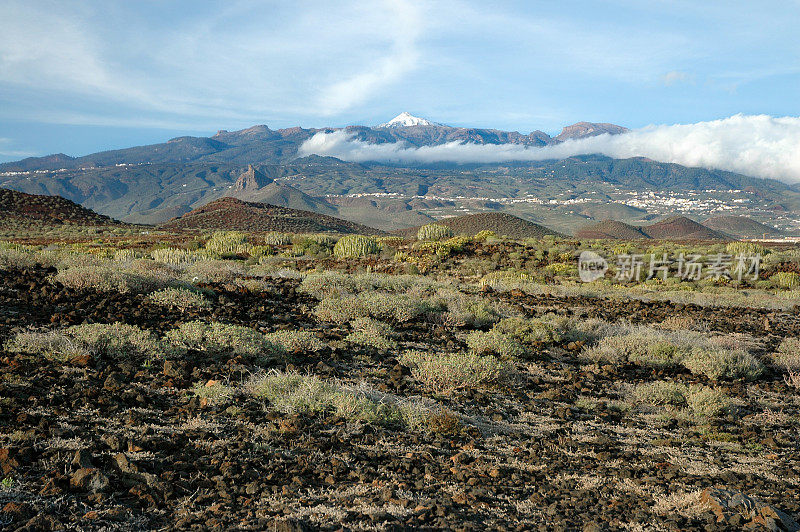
[588, 129]
[262, 145]
[742, 227]
[236, 215]
[154, 193]
[284, 196]
[682, 228]
[611, 229]
[17, 207]
[501, 223]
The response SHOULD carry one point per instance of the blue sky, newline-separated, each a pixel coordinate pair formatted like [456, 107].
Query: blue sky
[79, 77]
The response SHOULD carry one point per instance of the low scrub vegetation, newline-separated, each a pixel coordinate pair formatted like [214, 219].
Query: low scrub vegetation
[371, 333]
[220, 338]
[434, 232]
[308, 394]
[116, 340]
[446, 372]
[700, 401]
[110, 279]
[179, 298]
[787, 357]
[494, 343]
[647, 346]
[296, 342]
[354, 246]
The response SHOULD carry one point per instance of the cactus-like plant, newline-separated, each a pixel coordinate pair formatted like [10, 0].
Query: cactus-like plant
[434, 232]
[275, 238]
[228, 243]
[790, 280]
[352, 246]
[745, 248]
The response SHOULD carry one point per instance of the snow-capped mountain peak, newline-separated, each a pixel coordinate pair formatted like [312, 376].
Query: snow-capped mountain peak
[406, 119]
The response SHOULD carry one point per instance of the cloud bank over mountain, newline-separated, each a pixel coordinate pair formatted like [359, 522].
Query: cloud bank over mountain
[756, 145]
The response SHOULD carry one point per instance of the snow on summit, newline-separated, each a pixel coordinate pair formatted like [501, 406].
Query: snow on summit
[406, 119]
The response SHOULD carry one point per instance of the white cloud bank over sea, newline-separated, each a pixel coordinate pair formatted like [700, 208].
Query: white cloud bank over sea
[755, 145]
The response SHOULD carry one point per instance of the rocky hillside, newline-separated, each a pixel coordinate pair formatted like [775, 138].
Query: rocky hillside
[236, 215]
[501, 223]
[611, 229]
[17, 207]
[742, 227]
[682, 228]
[254, 186]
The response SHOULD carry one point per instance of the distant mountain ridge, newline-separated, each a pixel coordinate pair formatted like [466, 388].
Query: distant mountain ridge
[152, 184]
[262, 145]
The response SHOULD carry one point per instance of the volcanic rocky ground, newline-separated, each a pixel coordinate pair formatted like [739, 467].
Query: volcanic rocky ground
[101, 444]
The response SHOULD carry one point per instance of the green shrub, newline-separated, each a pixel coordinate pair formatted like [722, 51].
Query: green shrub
[787, 356]
[504, 279]
[789, 280]
[434, 232]
[368, 332]
[641, 346]
[110, 279]
[397, 307]
[125, 255]
[484, 235]
[461, 310]
[561, 268]
[308, 394]
[494, 343]
[277, 239]
[179, 257]
[179, 298]
[17, 259]
[296, 341]
[447, 372]
[53, 345]
[118, 340]
[213, 392]
[535, 331]
[716, 363]
[214, 271]
[746, 248]
[661, 393]
[705, 402]
[228, 243]
[354, 246]
[220, 338]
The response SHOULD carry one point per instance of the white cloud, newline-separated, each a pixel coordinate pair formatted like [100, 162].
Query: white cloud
[676, 76]
[401, 59]
[245, 62]
[757, 145]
